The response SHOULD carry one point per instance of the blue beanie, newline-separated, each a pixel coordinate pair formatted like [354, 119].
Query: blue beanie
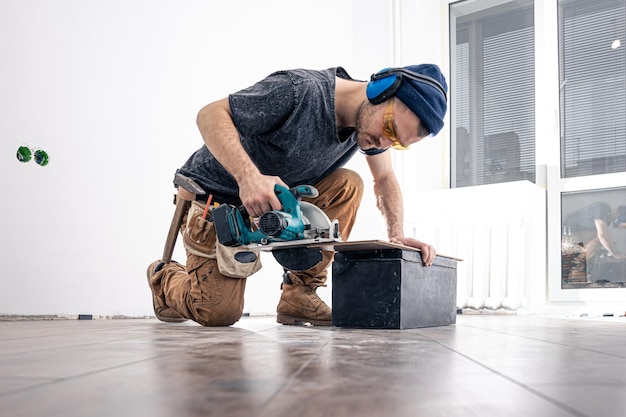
[426, 101]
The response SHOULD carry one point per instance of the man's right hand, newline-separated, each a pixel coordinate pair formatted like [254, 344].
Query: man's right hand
[257, 194]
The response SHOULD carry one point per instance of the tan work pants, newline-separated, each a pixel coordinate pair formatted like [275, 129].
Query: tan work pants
[200, 292]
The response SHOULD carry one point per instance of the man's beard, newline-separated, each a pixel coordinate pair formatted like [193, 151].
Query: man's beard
[365, 140]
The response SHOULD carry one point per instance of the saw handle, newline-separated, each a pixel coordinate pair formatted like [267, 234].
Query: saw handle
[300, 191]
[288, 204]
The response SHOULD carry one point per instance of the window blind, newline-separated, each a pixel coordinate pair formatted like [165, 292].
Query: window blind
[592, 60]
[493, 93]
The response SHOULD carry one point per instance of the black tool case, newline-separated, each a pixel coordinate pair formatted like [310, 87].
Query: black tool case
[392, 289]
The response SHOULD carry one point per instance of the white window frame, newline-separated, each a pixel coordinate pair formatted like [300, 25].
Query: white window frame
[547, 154]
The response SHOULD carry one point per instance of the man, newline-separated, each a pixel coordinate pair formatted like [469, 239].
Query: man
[587, 240]
[591, 224]
[292, 128]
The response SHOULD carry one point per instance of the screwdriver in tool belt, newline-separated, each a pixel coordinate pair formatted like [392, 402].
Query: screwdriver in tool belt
[206, 208]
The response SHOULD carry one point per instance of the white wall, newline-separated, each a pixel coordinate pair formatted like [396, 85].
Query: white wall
[110, 89]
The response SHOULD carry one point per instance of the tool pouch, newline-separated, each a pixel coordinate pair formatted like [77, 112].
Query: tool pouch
[199, 238]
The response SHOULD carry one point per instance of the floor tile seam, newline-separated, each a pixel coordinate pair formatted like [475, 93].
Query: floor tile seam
[254, 332]
[287, 382]
[621, 385]
[287, 330]
[58, 334]
[37, 382]
[40, 336]
[63, 335]
[520, 384]
[2, 355]
[597, 327]
[620, 356]
[52, 380]
[30, 387]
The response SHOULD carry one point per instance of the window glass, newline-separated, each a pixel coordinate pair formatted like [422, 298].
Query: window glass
[593, 240]
[592, 61]
[492, 92]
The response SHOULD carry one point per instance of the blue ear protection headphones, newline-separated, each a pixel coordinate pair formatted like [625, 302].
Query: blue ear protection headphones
[384, 84]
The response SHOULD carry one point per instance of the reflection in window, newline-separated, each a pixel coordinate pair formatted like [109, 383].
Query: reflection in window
[593, 239]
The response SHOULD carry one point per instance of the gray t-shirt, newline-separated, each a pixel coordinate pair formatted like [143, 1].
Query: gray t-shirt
[287, 125]
[584, 218]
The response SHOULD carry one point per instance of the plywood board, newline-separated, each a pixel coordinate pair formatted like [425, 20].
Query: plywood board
[360, 245]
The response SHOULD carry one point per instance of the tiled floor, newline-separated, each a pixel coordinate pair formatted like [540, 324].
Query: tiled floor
[485, 365]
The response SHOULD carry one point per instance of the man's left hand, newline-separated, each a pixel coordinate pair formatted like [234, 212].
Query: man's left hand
[428, 252]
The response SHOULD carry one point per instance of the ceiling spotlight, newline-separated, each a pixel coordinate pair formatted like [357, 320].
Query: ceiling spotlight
[616, 44]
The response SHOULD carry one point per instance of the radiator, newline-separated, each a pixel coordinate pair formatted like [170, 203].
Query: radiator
[498, 230]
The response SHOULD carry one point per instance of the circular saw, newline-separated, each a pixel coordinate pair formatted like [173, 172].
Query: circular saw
[286, 232]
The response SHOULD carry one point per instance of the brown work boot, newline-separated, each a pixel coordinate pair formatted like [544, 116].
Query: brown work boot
[162, 311]
[300, 304]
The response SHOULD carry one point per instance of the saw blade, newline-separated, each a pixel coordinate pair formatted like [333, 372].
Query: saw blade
[318, 220]
[294, 255]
